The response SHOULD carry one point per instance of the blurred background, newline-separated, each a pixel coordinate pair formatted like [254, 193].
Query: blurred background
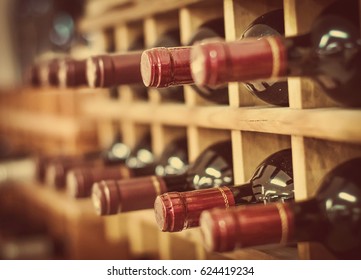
[29, 28]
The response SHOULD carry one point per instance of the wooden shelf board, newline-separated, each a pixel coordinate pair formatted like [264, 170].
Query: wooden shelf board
[138, 11]
[334, 124]
[64, 127]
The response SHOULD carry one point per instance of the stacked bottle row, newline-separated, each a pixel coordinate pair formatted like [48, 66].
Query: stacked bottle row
[262, 58]
[202, 192]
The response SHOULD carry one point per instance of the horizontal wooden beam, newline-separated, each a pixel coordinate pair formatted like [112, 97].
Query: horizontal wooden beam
[138, 11]
[61, 127]
[335, 124]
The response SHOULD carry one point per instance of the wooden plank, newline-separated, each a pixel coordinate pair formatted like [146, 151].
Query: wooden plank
[299, 16]
[140, 10]
[70, 221]
[304, 93]
[45, 124]
[309, 122]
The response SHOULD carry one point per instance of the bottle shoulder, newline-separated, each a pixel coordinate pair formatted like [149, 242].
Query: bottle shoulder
[214, 167]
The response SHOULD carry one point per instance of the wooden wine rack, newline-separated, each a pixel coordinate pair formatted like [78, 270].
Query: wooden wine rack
[320, 132]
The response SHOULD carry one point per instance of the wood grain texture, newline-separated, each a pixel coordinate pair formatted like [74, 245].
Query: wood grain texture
[138, 11]
[336, 124]
[71, 221]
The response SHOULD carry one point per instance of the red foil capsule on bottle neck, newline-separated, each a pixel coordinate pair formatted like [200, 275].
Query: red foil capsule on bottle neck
[247, 226]
[113, 70]
[219, 62]
[72, 73]
[175, 211]
[79, 181]
[112, 197]
[56, 172]
[53, 67]
[164, 67]
[32, 76]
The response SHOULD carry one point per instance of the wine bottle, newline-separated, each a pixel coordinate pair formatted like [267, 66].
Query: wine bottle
[272, 91]
[329, 54]
[114, 69]
[31, 76]
[168, 40]
[49, 72]
[332, 217]
[138, 162]
[138, 89]
[72, 73]
[139, 193]
[170, 66]
[54, 168]
[272, 181]
[43, 161]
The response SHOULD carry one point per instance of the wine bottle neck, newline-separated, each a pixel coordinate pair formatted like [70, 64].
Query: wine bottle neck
[146, 170]
[243, 194]
[309, 223]
[176, 183]
[114, 70]
[301, 60]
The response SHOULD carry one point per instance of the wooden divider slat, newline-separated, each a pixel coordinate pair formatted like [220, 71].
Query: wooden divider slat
[238, 16]
[305, 94]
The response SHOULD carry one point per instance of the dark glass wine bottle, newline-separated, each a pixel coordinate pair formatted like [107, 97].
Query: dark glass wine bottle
[332, 217]
[138, 162]
[329, 54]
[53, 169]
[272, 181]
[271, 91]
[115, 196]
[170, 66]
